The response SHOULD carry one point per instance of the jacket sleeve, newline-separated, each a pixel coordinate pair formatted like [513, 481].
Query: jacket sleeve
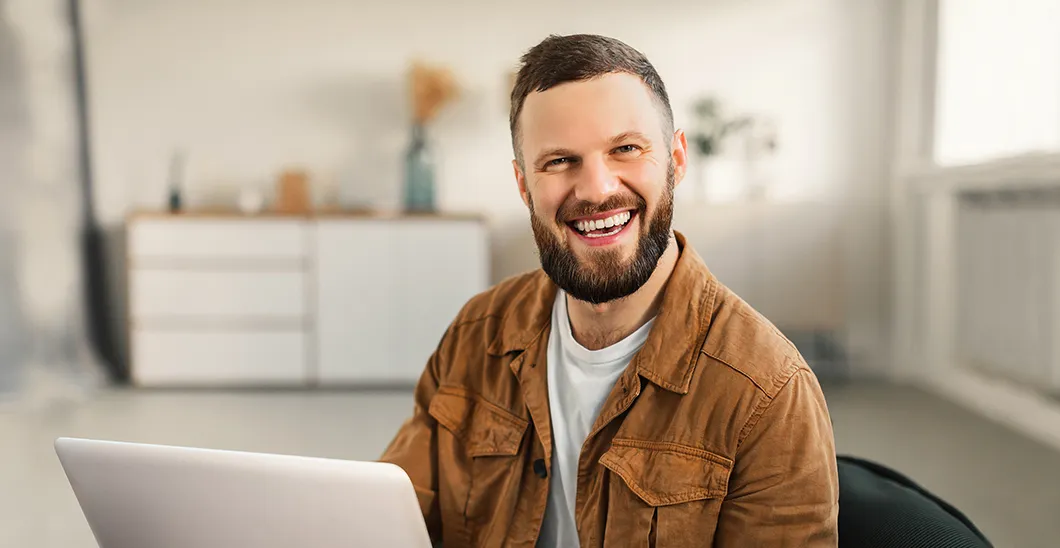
[784, 486]
[415, 448]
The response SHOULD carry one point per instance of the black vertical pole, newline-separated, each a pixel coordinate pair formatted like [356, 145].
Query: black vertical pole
[93, 247]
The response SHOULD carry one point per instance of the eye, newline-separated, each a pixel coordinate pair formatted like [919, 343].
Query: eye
[558, 162]
[626, 149]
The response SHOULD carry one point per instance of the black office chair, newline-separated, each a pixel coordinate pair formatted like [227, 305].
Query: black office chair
[880, 508]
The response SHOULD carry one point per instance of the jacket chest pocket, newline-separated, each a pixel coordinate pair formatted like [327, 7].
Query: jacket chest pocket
[665, 494]
[478, 448]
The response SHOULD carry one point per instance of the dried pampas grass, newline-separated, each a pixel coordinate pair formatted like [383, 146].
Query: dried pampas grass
[432, 88]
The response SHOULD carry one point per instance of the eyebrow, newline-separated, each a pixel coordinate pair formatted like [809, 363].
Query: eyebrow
[560, 152]
[629, 136]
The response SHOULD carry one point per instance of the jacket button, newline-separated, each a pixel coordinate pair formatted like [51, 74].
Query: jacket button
[540, 469]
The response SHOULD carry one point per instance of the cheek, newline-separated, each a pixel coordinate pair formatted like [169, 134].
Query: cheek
[645, 179]
[546, 199]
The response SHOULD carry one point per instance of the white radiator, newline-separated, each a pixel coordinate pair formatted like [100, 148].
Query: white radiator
[1008, 294]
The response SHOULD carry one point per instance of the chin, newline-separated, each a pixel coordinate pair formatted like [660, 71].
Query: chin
[607, 262]
[591, 257]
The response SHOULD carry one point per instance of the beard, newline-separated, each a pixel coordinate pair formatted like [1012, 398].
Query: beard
[604, 275]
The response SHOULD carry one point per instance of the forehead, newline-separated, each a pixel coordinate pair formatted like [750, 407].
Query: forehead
[581, 114]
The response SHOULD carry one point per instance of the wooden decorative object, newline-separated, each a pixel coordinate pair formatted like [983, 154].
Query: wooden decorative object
[292, 192]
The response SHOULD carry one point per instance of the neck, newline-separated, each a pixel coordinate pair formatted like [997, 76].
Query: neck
[597, 326]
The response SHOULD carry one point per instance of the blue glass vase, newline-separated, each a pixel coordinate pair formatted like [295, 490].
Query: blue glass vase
[419, 174]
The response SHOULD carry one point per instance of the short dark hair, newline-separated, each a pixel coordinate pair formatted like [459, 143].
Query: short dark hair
[576, 58]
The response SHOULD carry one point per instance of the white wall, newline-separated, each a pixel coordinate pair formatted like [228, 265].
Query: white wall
[248, 88]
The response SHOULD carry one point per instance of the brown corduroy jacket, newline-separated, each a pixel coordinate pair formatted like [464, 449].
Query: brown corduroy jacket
[717, 434]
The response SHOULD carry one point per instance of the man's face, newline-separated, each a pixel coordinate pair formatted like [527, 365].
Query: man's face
[598, 175]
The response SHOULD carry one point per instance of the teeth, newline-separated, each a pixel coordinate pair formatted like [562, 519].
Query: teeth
[598, 224]
[602, 234]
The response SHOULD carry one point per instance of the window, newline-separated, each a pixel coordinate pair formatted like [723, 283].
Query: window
[998, 79]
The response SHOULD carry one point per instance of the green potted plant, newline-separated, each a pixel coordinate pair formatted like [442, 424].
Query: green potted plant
[709, 133]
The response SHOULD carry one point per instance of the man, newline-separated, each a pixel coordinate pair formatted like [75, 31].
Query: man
[620, 396]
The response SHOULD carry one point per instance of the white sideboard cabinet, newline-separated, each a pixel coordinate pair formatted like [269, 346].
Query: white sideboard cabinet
[226, 300]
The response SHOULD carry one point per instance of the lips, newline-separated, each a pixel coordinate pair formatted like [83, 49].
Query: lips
[587, 232]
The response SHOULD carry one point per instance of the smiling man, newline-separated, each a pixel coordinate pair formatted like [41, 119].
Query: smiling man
[621, 395]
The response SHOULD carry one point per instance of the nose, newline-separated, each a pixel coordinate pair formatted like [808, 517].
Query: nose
[596, 182]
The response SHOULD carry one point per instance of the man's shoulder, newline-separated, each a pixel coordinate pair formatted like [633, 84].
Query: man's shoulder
[500, 299]
[740, 340]
[495, 322]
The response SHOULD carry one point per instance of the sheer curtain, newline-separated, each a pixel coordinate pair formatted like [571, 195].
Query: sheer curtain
[44, 350]
[12, 140]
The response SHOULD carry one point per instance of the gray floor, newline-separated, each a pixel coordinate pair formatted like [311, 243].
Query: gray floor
[1007, 484]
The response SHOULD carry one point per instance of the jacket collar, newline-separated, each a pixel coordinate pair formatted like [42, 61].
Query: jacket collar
[669, 355]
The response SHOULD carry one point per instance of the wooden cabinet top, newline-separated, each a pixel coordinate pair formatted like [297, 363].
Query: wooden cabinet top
[317, 214]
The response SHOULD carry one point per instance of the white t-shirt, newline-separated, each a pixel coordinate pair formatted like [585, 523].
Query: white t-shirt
[579, 380]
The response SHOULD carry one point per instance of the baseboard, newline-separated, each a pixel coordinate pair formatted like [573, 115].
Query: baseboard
[1017, 407]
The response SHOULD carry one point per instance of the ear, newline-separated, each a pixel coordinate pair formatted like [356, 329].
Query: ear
[520, 180]
[679, 149]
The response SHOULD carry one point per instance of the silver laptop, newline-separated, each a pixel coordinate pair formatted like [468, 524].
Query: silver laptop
[152, 496]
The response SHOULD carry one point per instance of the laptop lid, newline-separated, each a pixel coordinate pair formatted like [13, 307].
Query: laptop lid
[138, 495]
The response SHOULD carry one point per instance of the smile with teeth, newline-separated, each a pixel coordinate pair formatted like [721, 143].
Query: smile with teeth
[600, 228]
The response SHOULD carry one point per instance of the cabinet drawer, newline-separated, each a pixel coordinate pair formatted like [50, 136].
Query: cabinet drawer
[228, 240]
[189, 358]
[252, 295]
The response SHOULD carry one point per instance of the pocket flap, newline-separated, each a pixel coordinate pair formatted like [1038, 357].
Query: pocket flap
[483, 427]
[667, 473]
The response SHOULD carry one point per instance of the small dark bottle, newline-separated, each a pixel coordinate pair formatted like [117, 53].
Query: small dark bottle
[176, 174]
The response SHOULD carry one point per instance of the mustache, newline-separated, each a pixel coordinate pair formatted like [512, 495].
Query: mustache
[573, 208]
